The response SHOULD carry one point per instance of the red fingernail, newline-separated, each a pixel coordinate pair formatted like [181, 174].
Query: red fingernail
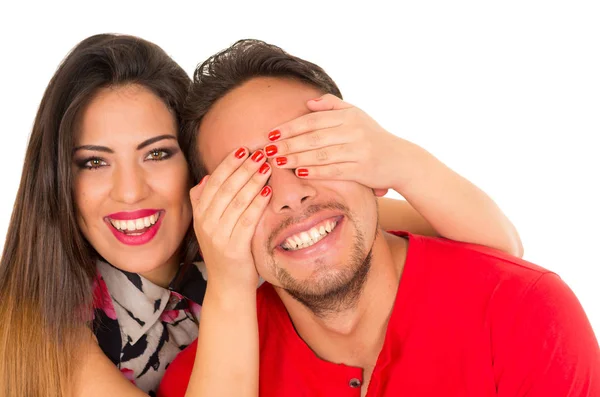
[281, 161]
[264, 168]
[257, 156]
[266, 191]
[302, 172]
[241, 152]
[271, 150]
[274, 135]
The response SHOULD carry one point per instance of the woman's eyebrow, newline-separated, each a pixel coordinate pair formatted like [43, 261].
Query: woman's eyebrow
[150, 141]
[94, 148]
[147, 142]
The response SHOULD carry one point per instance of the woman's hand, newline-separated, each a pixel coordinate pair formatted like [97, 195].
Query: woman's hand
[339, 141]
[227, 206]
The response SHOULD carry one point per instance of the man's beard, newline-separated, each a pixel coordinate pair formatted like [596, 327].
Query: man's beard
[337, 291]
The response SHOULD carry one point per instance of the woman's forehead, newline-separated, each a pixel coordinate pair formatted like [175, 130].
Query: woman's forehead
[124, 115]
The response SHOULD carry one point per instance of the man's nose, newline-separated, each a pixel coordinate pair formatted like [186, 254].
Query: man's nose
[290, 193]
[130, 185]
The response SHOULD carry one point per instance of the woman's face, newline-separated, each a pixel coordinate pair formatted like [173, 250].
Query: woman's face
[131, 182]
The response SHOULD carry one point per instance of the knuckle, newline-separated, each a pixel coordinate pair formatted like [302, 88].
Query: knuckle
[202, 228]
[292, 160]
[310, 122]
[352, 114]
[257, 179]
[335, 171]
[246, 221]
[227, 189]
[322, 155]
[248, 166]
[284, 146]
[197, 211]
[315, 139]
[237, 203]
[217, 180]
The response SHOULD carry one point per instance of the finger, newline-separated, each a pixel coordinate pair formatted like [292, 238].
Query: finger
[311, 140]
[243, 199]
[232, 185]
[327, 102]
[380, 192]
[227, 167]
[338, 171]
[196, 191]
[306, 123]
[322, 156]
[246, 225]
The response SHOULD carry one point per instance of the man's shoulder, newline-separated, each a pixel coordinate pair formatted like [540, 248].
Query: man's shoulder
[462, 273]
[443, 253]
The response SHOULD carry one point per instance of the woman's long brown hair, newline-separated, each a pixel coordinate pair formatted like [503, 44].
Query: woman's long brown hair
[47, 266]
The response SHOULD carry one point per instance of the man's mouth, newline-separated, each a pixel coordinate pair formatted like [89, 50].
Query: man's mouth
[310, 237]
[135, 226]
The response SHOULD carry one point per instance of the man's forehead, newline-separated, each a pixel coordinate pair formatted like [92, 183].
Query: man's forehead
[245, 115]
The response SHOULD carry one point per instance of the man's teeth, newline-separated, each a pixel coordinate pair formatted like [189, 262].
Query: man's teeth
[132, 225]
[309, 237]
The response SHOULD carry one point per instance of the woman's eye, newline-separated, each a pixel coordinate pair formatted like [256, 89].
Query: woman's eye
[158, 154]
[93, 164]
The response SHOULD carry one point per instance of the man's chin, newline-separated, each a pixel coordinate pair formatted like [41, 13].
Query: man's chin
[327, 292]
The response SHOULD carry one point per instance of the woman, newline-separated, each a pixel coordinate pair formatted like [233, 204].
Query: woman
[102, 225]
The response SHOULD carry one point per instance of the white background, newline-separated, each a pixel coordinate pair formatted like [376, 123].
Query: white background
[506, 93]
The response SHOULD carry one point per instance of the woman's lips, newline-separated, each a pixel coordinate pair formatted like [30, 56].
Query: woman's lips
[136, 236]
[129, 215]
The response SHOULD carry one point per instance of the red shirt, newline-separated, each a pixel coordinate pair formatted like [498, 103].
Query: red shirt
[467, 321]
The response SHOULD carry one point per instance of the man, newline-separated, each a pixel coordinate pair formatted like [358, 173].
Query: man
[350, 310]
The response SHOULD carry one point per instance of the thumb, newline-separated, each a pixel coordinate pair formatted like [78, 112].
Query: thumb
[196, 191]
[380, 192]
[327, 102]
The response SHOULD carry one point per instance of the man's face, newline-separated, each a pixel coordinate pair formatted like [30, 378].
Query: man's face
[314, 236]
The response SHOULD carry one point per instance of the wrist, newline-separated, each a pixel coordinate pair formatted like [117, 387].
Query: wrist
[230, 297]
[412, 163]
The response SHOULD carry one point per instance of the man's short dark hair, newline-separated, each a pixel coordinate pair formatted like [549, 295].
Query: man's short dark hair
[232, 67]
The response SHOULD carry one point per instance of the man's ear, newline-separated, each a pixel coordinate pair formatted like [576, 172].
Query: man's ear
[380, 192]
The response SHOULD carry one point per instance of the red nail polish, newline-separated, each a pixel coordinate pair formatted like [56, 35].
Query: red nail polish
[274, 135]
[302, 172]
[257, 156]
[266, 191]
[281, 161]
[271, 150]
[264, 168]
[241, 152]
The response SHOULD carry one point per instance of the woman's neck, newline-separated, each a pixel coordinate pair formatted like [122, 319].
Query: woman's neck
[164, 274]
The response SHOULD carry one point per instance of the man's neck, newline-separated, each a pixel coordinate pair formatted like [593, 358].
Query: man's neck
[355, 336]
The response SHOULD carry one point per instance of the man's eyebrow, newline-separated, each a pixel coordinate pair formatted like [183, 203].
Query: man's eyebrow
[147, 142]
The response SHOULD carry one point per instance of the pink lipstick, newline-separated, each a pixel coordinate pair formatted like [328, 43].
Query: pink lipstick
[135, 227]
